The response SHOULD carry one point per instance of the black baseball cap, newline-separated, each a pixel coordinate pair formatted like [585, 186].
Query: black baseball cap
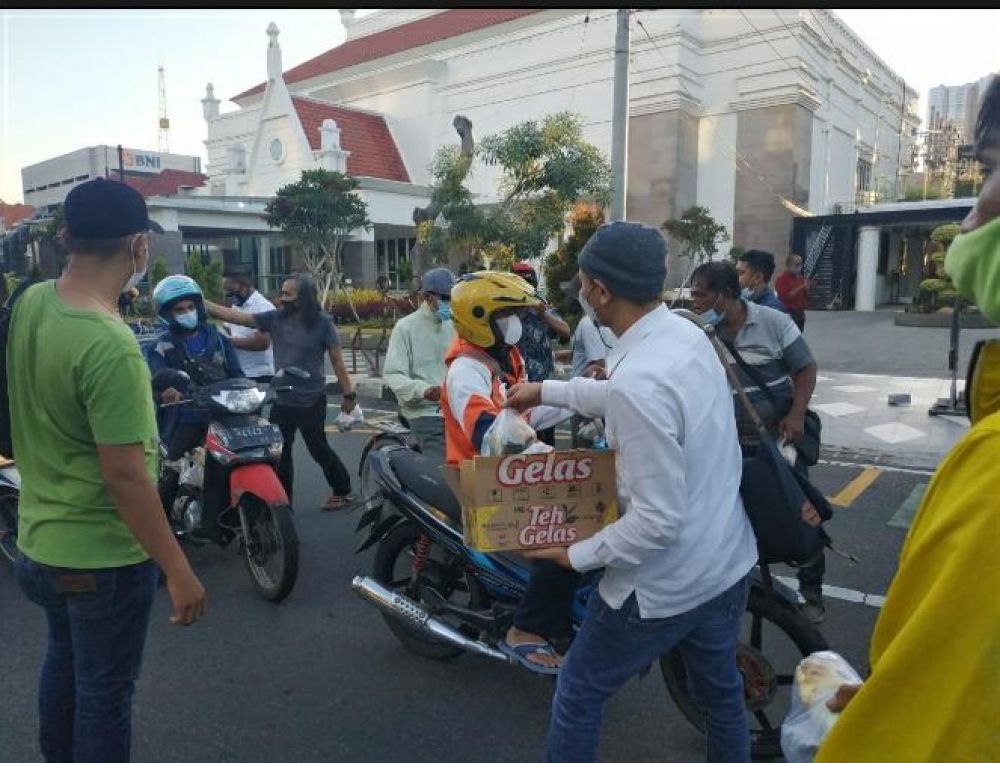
[103, 208]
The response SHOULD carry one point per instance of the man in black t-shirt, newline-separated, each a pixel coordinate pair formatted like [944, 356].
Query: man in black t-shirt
[301, 335]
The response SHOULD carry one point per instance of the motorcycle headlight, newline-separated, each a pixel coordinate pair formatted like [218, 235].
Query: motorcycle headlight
[239, 400]
[274, 449]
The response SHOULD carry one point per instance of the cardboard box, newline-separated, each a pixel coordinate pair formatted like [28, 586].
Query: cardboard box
[518, 501]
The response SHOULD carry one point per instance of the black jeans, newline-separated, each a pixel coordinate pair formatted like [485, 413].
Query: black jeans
[311, 421]
[547, 603]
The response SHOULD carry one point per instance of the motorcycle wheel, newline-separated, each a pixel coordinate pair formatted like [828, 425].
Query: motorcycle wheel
[271, 551]
[8, 525]
[775, 637]
[393, 568]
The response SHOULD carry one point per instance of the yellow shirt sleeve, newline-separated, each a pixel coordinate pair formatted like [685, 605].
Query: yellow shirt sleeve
[934, 690]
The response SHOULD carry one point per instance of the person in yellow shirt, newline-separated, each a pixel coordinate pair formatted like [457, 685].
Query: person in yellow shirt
[934, 689]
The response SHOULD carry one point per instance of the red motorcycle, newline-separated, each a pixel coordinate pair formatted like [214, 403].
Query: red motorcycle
[228, 488]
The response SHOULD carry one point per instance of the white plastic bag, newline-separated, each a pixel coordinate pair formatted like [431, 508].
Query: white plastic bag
[509, 433]
[345, 421]
[809, 720]
[193, 468]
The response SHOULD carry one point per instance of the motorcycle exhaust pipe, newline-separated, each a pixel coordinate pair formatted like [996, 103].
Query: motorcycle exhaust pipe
[416, 615]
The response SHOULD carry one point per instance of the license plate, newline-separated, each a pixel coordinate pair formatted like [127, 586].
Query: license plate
[238, 438]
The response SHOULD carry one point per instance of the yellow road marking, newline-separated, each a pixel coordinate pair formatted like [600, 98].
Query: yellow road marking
[856, 487]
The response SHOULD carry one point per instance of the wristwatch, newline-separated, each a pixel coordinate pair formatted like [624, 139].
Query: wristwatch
[350, 395]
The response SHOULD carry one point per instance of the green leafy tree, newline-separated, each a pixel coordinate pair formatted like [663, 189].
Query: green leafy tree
[699, 234]
[939, 286]
[319, 213]
[545, 168]
[158, 272]
[208, 277]
[561, 265]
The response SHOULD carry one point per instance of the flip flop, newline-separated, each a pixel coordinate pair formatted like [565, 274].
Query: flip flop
[519, 653]
[340, 502]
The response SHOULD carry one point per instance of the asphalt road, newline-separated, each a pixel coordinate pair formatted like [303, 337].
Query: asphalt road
[320, 677]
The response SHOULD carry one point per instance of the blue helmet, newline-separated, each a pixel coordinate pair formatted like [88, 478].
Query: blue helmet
[174, 288]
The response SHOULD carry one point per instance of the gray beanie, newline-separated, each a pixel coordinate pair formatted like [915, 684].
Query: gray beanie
[630, 259]
[438, 281]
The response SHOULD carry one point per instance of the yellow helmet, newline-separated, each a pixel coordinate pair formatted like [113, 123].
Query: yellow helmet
[476, 297]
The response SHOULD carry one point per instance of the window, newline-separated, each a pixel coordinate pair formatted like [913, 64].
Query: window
[864, 175]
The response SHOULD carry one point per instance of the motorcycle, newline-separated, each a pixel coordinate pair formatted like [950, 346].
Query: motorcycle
[228, 488]
[441, 598]
[10, 491]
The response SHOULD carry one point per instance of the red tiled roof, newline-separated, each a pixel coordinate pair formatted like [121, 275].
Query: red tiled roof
[366, 136]
[440, 26]
[167, 182]
[14, 213]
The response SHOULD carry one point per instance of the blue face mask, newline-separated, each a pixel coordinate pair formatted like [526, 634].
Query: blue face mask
[748, 294]
[444, 310]
[187, 320]
[713, 317]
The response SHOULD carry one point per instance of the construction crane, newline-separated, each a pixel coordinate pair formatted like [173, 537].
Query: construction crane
[164, 143]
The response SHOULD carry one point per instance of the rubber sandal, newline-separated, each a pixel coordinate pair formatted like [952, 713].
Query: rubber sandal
[340, 502]
[519, 653]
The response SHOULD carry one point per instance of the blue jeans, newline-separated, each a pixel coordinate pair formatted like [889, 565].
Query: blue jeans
[614, 645]
[97, 630]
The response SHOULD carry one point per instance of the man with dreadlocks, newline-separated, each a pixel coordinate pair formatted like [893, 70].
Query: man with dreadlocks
[934, 687]
[301, 334]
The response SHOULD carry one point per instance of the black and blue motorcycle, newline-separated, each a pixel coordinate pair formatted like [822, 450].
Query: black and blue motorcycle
[441, 598]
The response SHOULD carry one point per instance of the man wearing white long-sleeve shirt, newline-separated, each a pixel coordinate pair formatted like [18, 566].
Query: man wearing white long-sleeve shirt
[676, 563]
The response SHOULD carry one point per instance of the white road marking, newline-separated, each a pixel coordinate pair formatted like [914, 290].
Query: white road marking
[836, 592]
[838, 409]
[895, 432]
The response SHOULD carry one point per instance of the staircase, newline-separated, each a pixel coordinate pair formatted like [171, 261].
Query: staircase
[819, 267]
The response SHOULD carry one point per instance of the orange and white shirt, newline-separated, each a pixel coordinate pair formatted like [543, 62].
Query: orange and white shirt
[472, 396]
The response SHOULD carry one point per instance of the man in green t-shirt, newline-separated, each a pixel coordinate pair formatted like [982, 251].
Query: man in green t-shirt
[90, 517]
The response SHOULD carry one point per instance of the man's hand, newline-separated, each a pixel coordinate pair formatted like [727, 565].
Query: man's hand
[188, 597]
[840, 700]
[433, 394]
[523, 396]
[563, 356]
[792, 427]
[559, 555]
[595, 371]
[348, 405]
[170, 395]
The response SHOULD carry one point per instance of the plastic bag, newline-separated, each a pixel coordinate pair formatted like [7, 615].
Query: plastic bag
[193, 468]
[809, 720]
[345, 421]
[509, 433]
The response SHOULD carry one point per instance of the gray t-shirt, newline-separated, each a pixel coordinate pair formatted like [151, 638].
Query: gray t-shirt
[296, 344]
[773, 346]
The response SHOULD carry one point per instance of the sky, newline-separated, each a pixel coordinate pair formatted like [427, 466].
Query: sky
[77, 78]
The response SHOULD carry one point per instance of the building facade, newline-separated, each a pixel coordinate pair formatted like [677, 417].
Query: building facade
[956, 105]
[46, 183]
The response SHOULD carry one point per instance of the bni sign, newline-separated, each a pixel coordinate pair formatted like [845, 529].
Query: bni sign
[140, 161]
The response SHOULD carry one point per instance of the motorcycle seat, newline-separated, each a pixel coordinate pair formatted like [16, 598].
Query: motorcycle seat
[422, 476]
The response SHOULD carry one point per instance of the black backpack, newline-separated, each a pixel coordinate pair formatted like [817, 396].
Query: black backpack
[6, 314]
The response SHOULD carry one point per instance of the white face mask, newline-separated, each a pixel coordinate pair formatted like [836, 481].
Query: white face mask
[588, 309]
[510, 327]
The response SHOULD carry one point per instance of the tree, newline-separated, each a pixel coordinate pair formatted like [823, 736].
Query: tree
[939, 286]
[319, 212]
[561, 265]
[700, 235]
[545, 168]
[208, 277]
[158, 272]
[698, 231]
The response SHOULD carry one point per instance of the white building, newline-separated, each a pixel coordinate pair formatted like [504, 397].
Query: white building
[46, 183]
[957, 105]
[756, 114]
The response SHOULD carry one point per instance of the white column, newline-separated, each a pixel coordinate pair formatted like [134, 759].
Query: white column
[864, 295]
